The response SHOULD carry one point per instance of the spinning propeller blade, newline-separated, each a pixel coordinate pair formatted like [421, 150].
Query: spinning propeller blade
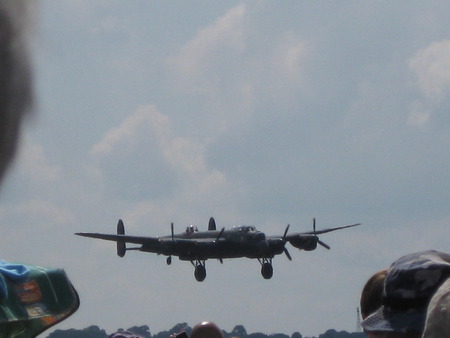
[287, 253]
[220, 234]
[326, 246]
[286, 231]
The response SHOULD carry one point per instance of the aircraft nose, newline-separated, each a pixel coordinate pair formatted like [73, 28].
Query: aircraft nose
[260, 236]
[262, 246]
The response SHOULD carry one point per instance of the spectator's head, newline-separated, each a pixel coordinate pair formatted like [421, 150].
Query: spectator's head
[372, 294]
[410, 283]
[206, 330]
[437, 324]
[15, 75]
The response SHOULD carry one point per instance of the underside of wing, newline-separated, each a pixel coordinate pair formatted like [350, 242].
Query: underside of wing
[120, 238]
[324, 231]
[182, 242]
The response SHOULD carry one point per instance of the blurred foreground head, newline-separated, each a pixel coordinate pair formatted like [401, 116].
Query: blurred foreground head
[410, 283]
[437, 324]
[16, 90]
[206, 330]
[55, 297]
[372, 294]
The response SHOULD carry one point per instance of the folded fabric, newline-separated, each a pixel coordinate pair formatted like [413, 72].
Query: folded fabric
[16, 272]
[36, 299]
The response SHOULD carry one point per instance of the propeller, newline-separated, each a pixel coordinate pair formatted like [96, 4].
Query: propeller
[286, 231]
[326, 246]
[169, 259]
[308, 240]
[284, 239]
[220, 234]
[315, 233]
[288, 255]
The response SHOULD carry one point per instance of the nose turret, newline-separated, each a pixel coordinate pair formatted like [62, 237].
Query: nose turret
[259, 236]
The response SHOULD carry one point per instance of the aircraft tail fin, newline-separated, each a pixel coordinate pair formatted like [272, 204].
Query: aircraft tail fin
[212, 224]
[121, 246]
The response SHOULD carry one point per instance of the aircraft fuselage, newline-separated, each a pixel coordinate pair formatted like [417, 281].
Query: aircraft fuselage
[241, 241]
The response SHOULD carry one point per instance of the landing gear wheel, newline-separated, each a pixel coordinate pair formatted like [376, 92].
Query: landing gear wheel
[267, 270]
[200, 273]
[169, 260]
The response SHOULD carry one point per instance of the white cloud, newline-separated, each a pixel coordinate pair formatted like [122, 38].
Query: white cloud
[419, 115]
[158, 163]
[147, 123]
[36, 214]
[35, 163]
[279, 72]
[47, 212]
[288, 56]
[431, 66]
[212, 43]
[146, 115]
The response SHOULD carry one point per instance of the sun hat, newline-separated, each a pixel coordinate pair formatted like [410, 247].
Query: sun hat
[409, 285]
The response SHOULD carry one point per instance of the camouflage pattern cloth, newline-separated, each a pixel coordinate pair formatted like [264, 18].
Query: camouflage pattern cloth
[33, 299]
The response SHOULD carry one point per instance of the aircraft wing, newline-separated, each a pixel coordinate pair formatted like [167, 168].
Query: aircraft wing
[184, 248]
[121, 238]
[314, 232]
[144, 240]
[324, 231]
[309, 240]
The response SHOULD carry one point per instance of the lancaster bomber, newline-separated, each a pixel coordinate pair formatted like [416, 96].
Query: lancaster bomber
[198, 246]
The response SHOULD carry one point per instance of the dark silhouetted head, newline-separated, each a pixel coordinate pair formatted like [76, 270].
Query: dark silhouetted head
[15, 75]
[206, 330]
[372, 294]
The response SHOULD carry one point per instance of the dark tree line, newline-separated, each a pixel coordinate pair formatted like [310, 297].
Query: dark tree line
[238, 331]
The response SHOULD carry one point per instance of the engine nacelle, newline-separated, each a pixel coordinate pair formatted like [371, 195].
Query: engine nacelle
[304, 242]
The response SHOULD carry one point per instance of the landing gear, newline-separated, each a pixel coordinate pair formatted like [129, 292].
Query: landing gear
[200, 270]
[200, 273]
[266, 268]
[169, 260]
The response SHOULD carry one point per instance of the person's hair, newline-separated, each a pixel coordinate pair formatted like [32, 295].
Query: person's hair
[16, 90]
[372, 293]
[206, 330]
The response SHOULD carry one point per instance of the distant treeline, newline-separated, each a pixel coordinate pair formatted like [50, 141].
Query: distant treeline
[238, 332]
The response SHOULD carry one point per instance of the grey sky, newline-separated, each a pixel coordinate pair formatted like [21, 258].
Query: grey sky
[254, 112]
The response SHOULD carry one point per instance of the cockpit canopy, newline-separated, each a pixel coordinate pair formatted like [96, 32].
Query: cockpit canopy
[191, 229]
[245, 228]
